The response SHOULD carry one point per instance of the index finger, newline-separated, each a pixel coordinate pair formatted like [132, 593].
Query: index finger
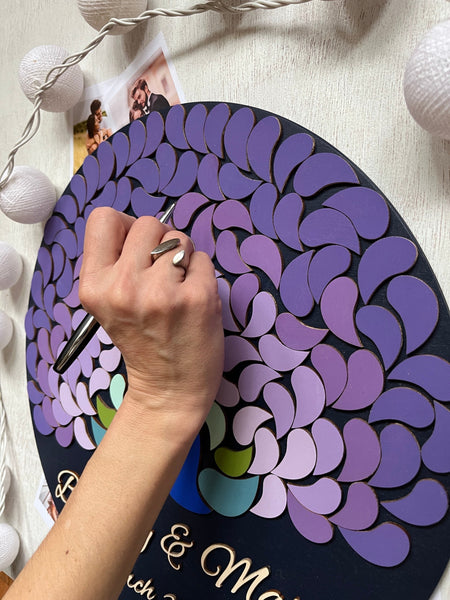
[106, 231]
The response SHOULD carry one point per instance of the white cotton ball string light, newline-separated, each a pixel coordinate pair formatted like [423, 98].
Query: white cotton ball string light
[33, 71]
[10, 266]
[98, 12]
[427, 81]
[29, 196]
[9, 545]
[6, 330]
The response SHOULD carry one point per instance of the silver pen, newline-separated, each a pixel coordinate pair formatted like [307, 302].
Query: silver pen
[87, 328]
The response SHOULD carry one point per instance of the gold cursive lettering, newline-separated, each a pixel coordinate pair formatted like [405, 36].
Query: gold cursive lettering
[67, 480]
[177, 548]
[142, 587]
[147, 541]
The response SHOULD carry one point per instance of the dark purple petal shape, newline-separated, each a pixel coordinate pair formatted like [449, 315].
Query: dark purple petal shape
[326, 264]
[360, 509]
[121, 147]
[425, 505]
[291, 152]
[252, 379]
[41, 320]
[365, 208]
[185, 208]
[234, 184]
[236, 136]
[417, 305]
[436, 450]
[52, 227]
[29, 325]
[68, 241]
[294, 289]
[58, 257]
[202, 233]
[243, 290]
[44, 260]
[185, 175]
[378, 324]
[261, 144]
[208, 177]
[105, 157]
[296, 334]
[62, 315]
[146, 171]
[232, 213]
[31, 359]
[78, 188]
[64, 283]
[43, 342]
[91, 172]
[145, 204]
[328, 226]
[106, 196]
[39, 421]
[35, 395]
[312, 526]
[67, 206]
[400, 457]
[363, 451]
[175, 127]
[64, 435]
[383, 259]
[387, 545]
[338, 306]
[332, 368]
[365, 381]
[321, 170]
[429, 372]
[286, 220]
[123, 194]
[238, 350]
[36, 289]
[137, 134]
[154, 125]
[228, 254]
[80, 229]
[262, 206]
[260, 251]
[214, 127]
[224, 289]
[403, 404]
[194, 128]
[281, 404]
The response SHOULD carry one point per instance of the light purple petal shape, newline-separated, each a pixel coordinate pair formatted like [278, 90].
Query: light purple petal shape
[194, 127]
[360, 510]
[383, 259]
[338, 306]
[431, 373]
[365, 381]
[100, 380]
[146, 171]
[267, 452]
[261, 144]
[262, 207]
[48, 412]
[436, 450]
[235, 184]
[236, 136]
[386, 545]
[294, 289]
[300, 457]
[297, 335]
[322, 497]
[263, 314]
[154, 125]
[246, 421]
[400, 457]
[185, 208]
[238, 350]
[278, 356]
[175, 127]
[224, 288]
[312, 526]
[42, 377]
[366, 209]
[403, 404]
[280, 402]
[60, 415]
[208, 177]
[109, 359]
[214, 127]
[56, 338]
[67, 401]
[81, 434]
[291, 152]
[202, 232]
[64, 435]
[286, 220]
[185, 175]
[273, 498]
[43, 342]
[329, 444]
[243, 291]
[425, 505]
[228, 394]
[321, 170]
[363, 451]
[326, 264]
[232, 213]
[380, 325]
[262, 252]
[166, 160]
[227, 252]
[309, 394]
[252, 379]
[328, 226]
[83, 400]
[105, 157]
[137, 134]
[121, 147]
[417, 305]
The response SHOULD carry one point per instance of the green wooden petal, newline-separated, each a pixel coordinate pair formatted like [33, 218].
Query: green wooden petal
[233, 462]
[105, 413]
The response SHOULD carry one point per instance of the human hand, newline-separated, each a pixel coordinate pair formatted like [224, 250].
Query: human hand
[164, 319]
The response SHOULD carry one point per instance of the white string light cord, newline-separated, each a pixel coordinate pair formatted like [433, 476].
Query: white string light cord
[2, 456]
[53, 75]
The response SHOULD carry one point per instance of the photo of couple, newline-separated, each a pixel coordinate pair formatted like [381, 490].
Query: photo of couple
[145, 101]
[96, 126]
